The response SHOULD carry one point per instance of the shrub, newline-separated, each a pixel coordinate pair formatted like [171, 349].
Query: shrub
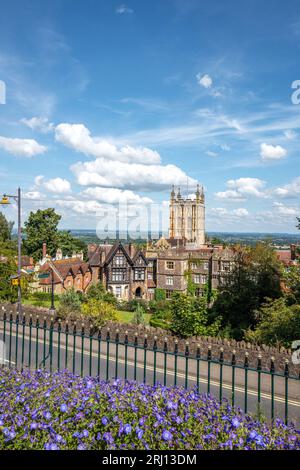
[138, 317]
[56, 411]
[98, 292]
[278, 324]
[70, 304]
[99, 312]
[189, 316]
[159, 294]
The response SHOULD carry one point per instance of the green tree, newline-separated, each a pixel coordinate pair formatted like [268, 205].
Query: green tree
[138, 316]
[40, 227]
[255, 276]
[278, 324]
[291, 279]
[8, 268]
[189, 316]
[69, 244]
[5, 229]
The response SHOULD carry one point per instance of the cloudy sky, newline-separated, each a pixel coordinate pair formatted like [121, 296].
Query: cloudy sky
[111, 102]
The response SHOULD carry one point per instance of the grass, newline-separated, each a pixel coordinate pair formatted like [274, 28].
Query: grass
[124, 316]
[127, 317]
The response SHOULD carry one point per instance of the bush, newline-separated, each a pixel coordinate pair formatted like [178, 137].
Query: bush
[98, 292]
[189, 316]
[56, 411]
[159, 294]
[278, 324]
[70, 304]
[138, 317]
[99, 312]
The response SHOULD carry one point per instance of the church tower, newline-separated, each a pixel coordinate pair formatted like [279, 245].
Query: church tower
[187, 217]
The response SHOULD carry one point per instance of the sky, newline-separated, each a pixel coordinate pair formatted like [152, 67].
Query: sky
[104, 102]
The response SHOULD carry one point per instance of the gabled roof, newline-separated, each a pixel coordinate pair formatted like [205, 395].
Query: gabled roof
[116, 247]
[138, 254]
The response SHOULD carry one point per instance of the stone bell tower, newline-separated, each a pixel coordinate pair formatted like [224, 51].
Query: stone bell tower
[187, 217]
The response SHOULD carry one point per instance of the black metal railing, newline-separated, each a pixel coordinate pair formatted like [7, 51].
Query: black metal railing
[53, 346]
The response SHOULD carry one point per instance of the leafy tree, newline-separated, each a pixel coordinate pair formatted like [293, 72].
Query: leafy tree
[40, 227]
[255, 276]
[98, 292]
[99, 312]
[5, 229]
[8, 267]
[70, 304]
[189, 316]
[69, 244]
[291, 279]
[278, 324]
[138, 317]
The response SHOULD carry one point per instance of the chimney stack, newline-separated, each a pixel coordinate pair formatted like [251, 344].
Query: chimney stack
[44, 249]
[293, 252]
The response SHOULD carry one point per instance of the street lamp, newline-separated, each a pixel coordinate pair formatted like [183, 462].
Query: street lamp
[5, 201]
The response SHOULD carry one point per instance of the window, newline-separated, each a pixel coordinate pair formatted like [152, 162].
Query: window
[203, 279]
[194, 265]
[169, 294]
[205, 265]
[169, 281]
[118, 275]
[139, 274]
[150, 264]
[199, 292]
[197, 278]
[170, 264]
[225, 266]
[150, 275]
[119, 260]
[118, 291]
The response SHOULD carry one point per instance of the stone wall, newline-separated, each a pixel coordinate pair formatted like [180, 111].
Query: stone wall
[281, 355]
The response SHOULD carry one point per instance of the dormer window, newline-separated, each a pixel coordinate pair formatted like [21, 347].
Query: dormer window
[119, 260]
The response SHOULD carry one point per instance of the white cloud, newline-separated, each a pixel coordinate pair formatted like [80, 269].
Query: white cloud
[225, 147]
[242, 188]
[290, 134]
[101, 172]
[241, 212]
[289, 190]
[286, 211]
[22, 147]
[115, 196]
[78, 137]
[38, 180]
[33, 195]
[270, 152]
[38, 124]
[204, 80]
[211, 154]
[57, 185]
[226, 214]
[123, 9]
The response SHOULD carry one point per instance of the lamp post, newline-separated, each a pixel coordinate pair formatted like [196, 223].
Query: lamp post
[5, 201]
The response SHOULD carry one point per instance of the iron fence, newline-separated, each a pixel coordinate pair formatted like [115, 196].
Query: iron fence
[52, 346]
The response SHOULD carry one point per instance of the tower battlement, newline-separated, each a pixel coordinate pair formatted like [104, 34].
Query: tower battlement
[187, 217]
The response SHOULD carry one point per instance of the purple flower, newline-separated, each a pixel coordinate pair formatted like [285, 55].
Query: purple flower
[127, 428]
[104, 421]
[63, 408]
[166, 435]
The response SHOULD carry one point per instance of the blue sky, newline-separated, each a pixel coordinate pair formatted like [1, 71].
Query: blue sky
[109, 101]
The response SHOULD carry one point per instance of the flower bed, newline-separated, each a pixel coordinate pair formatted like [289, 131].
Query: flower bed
[39, 410]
